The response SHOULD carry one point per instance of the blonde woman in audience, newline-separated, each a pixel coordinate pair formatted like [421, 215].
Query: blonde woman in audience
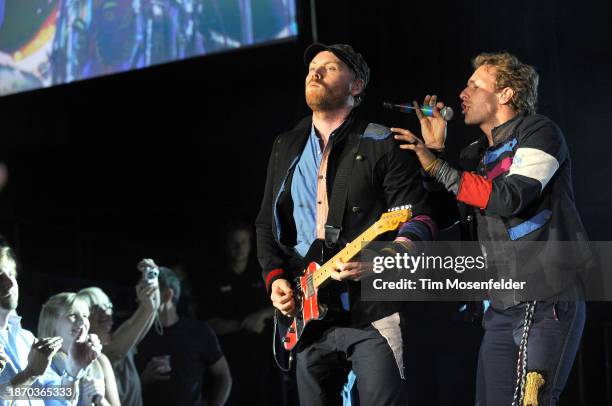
[120, 345]
[67, 316]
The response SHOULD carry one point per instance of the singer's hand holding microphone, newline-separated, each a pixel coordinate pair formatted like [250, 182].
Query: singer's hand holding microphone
[433, 130]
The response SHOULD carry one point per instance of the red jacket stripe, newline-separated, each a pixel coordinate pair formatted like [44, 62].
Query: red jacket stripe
[474, 190]
[272, 274]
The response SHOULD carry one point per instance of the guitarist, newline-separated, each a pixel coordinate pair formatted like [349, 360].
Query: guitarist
[334, 150]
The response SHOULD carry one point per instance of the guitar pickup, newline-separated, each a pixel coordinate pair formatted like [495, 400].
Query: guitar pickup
[286, 339]
[291, 330]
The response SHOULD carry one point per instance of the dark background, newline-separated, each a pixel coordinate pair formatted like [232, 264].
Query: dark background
[152, 163]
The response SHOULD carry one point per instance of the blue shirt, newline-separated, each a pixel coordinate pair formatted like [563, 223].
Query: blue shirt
[17, 343]
[304, 192]
[304, 195]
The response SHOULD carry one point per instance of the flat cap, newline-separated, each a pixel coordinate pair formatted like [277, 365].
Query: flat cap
[346, 54]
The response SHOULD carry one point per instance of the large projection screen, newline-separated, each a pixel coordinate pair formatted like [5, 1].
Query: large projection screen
[50, 42]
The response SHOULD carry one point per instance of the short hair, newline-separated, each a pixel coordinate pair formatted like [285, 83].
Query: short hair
[56, 307]
[358, 98]
[512, 73]
[94, 296]
[168, 279]
[7, 261]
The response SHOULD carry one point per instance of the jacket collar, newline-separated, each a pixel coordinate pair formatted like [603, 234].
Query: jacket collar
[503, 131]
[298, 136]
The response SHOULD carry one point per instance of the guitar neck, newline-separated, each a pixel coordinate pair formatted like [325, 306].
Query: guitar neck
[323, 273]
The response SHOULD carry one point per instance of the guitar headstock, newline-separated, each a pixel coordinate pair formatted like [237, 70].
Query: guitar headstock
[393, 219]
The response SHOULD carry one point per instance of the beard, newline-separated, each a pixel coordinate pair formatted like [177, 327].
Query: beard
[325, 99]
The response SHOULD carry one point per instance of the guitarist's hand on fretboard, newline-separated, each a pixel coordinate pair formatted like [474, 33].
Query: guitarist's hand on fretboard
[351, 271]
[282, 297]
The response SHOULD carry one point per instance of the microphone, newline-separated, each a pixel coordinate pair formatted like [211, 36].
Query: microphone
[446, 112]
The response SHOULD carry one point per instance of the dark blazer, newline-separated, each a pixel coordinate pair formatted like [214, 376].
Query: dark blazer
[383, 176]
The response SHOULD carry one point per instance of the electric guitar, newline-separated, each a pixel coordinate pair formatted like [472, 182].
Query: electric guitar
[314, 304]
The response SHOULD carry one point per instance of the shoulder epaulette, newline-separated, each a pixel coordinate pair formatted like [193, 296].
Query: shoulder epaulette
[377, 132]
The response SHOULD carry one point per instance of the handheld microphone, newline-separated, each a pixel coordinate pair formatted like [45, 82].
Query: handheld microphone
[446, 112]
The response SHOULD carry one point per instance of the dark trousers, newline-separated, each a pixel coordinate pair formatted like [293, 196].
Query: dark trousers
[551, 348]
[323, 366]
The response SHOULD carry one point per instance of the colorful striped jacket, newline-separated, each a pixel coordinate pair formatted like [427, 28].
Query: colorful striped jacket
[520, 189]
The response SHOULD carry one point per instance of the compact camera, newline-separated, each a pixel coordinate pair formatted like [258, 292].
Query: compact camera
[150, 271]
[150, 274]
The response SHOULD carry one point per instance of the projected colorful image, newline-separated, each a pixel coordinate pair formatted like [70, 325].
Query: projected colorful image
[48, 42]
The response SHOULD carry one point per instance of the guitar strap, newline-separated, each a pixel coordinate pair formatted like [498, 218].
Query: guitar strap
[339, 194]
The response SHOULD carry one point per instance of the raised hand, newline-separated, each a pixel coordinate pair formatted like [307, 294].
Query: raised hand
[146, 263]
[433, 128]
[148, 295]
[41, 354]
[149, 270]
[413, 143]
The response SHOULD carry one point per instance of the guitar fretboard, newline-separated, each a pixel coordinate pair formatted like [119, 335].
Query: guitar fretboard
[323, 273]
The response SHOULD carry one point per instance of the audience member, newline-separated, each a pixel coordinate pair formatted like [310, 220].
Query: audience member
[239, 311]
[67, 316]
[173, 361]
[120, 345]
[27, 358]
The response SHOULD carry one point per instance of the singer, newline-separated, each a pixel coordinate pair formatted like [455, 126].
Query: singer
[332, 150]
[514, 185]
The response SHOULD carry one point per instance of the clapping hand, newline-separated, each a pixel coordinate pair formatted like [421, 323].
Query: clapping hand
[3, 358]
[41, 354]
[82, 353]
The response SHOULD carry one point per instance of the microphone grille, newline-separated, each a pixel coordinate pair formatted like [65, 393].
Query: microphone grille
[447, 113]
